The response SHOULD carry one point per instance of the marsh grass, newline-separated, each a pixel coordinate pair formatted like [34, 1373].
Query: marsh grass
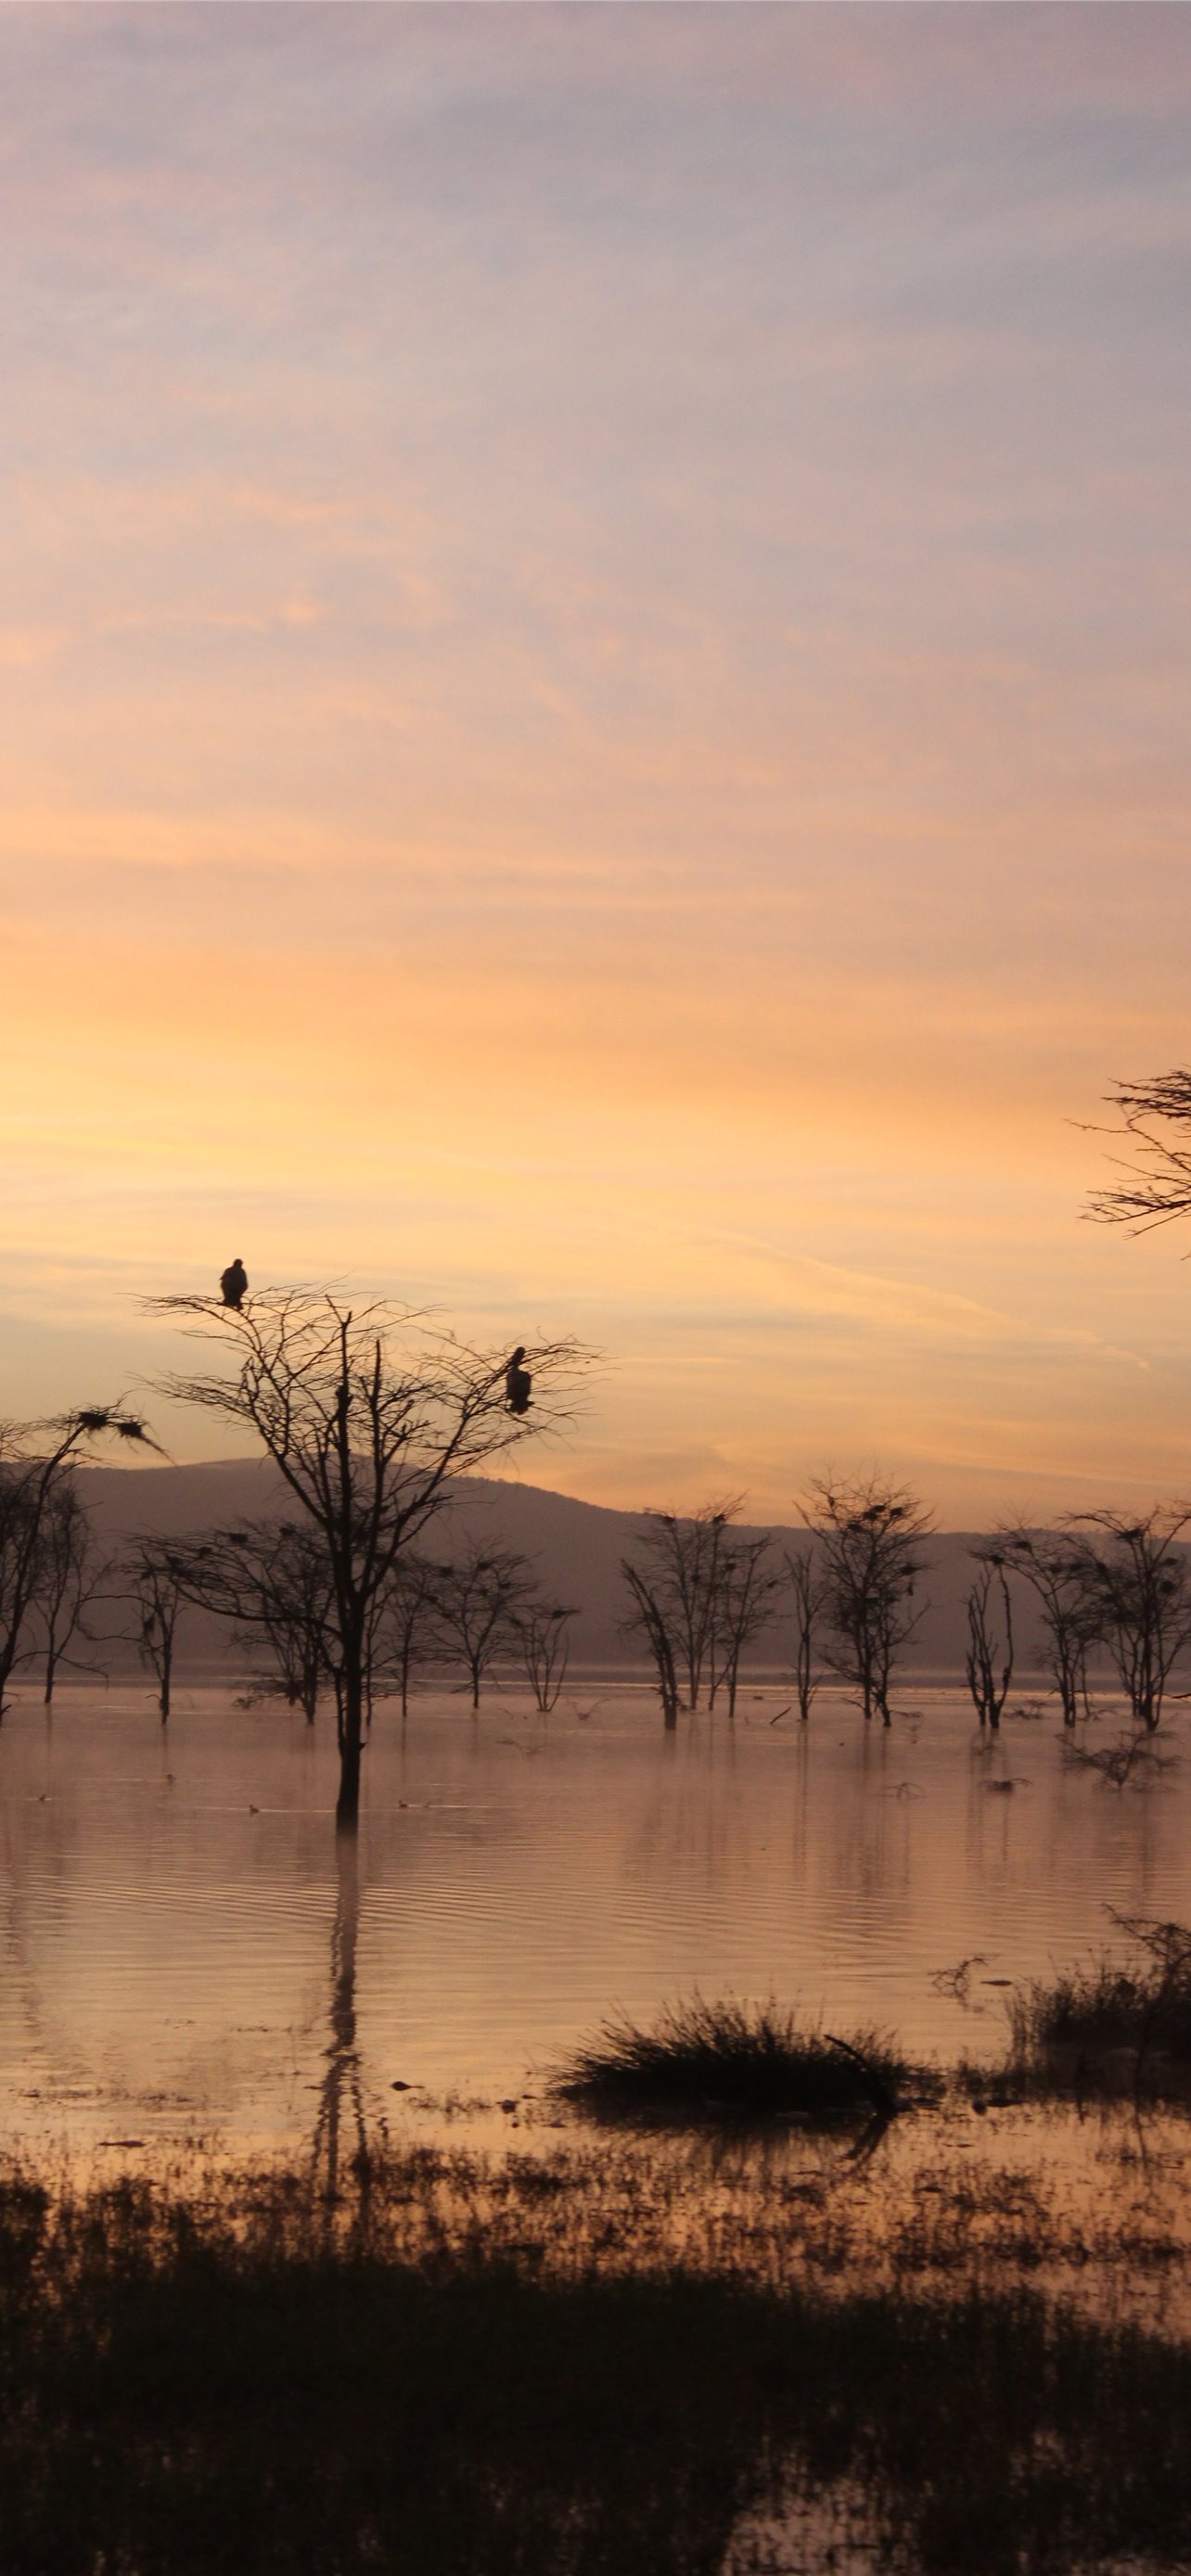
[225, 2380]
[758, 2060]
[1106, 2026]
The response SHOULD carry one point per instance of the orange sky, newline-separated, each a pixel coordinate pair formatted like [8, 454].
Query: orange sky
[593, 658]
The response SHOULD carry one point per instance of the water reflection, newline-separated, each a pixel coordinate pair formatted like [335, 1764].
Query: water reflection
[167, 1916]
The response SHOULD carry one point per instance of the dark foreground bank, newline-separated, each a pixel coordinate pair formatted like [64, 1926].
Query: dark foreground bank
[192, 2385]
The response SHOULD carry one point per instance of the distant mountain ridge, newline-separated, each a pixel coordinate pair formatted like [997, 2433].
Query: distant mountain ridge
[576, 1547]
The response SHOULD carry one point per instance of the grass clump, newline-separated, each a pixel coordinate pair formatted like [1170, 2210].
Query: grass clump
[1110, 2024]
[757, 2059]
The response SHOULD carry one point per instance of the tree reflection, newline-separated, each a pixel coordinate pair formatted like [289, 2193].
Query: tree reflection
[341, 2134]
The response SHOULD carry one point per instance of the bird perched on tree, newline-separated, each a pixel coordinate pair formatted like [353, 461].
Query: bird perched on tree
[517, 1382]
[233, 1284]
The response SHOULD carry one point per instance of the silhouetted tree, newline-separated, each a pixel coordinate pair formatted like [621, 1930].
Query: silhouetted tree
[649, 1618]
[988, 1661]
[1155, 1117]
[36, 1460]
[409, 1632]
[158, 1586]
[747, 1583]
[1072, 1616]
[272, 1581]
[68, 1579]
[481, 1598]
[1138, 1585]
[545, 1650]
[680, 1559]
[368, 1415]
[808, 1587]
[870, 1537]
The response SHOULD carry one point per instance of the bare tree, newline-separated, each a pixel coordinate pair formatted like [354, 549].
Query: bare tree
[988, 1661]
[158, 1586]
[1072, 1616]
[649, 1618]
[870, 1534]
[682, 1569]
[409, 1633]
[744, 1605]
[36, 1459]
[272, 1580]
[1154, 1116]
[481, 1598]
[545, 1649]
[368, 1414]
[808, 1586]
[1138, 1585]
[69, 1579]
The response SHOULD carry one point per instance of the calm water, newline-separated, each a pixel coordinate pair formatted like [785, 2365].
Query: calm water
[182, 1950]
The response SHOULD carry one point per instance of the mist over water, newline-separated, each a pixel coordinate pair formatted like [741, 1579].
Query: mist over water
[173, 1913]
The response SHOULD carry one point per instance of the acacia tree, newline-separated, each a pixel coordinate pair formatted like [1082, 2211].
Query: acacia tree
[272, 1580]
[809, 1594]
[542, 1631]
[682, 1561]
[159, 1582]
[1072, 1614]
[69, 1579]
[649, 1618]
[1154, 1116]
[745, 1604]
[870, 1537]
[481, 1600]
[1138, 1586]
[988, 1661]
[409, 1632]
[36, 1461]
[368, 1415]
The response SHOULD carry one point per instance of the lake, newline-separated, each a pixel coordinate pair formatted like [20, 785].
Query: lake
[182, 1940]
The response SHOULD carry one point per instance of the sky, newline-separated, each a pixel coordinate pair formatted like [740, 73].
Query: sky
[594, 619]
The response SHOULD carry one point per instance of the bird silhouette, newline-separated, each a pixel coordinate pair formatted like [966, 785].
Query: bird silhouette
[233, 1284]
[517, 1382]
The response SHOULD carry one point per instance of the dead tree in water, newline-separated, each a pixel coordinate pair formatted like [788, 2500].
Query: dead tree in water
[747, 1583]
[36, 1463]
[545, 1649]
[870, 1537]
[157, 1576]
[988, 1661]
[70, 1578]
[683, 1571]
[409, 1633]
[272, 1581]
[809, 1592]
[1138, 1586]
[1072, 1618]
[368, 1416]
[648, 1619]
[480, 1600]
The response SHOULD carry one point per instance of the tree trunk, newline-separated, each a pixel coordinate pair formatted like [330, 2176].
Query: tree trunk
[351, 1730]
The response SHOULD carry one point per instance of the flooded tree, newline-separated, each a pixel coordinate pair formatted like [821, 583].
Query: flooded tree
[369, 1416]
[409, 1632]
[1071, 1613]
[272, 1582]
[988, 1660]
[870, 1536]
[1154, 1116]
[70, 1578]
[157, 1578]
[680, 1559]
[1137, 1581]
[481, 1598]
[744, 1605]
[649, 1619]
[36, 1463]
[543, 1631]
[808, 1592]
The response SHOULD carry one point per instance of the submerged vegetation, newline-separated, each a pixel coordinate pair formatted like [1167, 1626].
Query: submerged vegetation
[427, 2381]
[757, 2059]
